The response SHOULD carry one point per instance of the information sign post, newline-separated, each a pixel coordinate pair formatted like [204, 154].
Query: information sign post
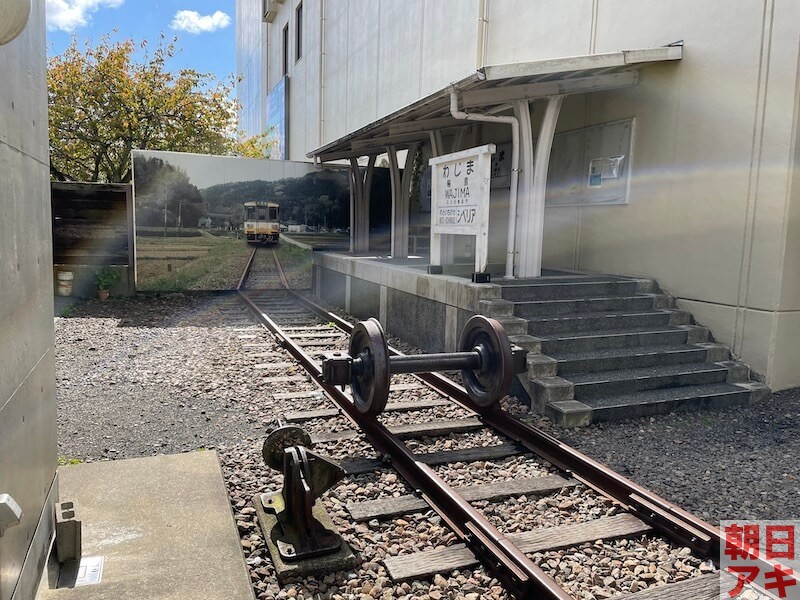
[460, 200]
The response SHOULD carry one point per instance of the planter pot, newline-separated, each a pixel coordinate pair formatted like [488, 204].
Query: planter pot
[65, 280]
[102, 294]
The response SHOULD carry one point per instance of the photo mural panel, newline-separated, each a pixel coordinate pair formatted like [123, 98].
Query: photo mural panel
[190, 213]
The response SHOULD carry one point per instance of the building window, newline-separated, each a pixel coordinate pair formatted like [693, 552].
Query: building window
[286, 49]
[298, 32]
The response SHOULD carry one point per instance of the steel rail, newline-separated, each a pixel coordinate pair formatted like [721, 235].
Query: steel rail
[246, 271]
[281, 274]
[502, 558]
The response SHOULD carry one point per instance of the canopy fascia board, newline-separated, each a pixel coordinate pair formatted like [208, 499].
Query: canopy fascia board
[531, 91]
[608, 60]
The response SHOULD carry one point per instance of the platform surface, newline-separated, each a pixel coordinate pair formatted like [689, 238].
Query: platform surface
[163, 525]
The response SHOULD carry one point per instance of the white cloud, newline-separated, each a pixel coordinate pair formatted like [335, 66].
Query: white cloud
[67, 15]
[193, 22]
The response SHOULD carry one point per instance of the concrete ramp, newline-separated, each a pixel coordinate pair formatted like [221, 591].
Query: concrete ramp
[163, 526]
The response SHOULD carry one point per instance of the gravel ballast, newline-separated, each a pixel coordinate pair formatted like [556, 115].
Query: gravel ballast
[176, 373]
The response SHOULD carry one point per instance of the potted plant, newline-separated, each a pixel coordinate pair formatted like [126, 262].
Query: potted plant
[105, 278]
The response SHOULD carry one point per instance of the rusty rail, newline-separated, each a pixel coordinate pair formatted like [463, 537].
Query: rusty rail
[246, 271]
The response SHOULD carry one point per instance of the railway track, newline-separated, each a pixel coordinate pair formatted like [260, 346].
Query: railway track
[543, 519]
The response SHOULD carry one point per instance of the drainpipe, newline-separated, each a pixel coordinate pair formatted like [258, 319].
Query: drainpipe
[321, 72]
[481, 41]
[512, 203]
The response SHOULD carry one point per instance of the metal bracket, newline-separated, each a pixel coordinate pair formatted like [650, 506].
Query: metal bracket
[10, 513]
[306, 476]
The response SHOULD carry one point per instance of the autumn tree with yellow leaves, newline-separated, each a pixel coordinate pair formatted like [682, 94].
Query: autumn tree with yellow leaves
[103, 103]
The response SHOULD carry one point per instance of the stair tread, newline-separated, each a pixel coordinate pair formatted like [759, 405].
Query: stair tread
[599, 298]
[624, 352]
[643, 372]
[597, 314]
[660, 395]
[569, 335]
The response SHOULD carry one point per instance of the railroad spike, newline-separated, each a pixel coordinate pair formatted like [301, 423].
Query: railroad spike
[486, 359]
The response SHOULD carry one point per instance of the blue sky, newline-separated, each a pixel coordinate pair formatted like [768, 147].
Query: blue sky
[206, 29]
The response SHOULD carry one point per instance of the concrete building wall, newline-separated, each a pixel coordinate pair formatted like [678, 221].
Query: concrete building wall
[378, 57]
[250, 65]
[27, 382]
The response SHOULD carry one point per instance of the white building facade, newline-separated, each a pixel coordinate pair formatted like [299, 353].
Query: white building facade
[697, 104]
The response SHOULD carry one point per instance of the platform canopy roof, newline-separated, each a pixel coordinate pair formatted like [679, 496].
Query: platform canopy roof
[495, 86]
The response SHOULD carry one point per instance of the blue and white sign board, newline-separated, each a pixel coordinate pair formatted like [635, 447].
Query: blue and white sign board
[460, 200]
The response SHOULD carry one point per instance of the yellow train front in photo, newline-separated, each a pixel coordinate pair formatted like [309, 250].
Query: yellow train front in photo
[262, 222]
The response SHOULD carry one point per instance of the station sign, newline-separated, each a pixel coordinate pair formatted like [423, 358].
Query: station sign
[460, 192]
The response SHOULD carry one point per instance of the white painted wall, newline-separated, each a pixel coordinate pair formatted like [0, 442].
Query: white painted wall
[378, 57]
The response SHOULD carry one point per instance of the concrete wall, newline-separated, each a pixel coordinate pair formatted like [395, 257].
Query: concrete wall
[397, 295]
[27, 381]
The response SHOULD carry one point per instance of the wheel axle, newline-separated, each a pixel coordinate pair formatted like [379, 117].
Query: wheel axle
[486, 360]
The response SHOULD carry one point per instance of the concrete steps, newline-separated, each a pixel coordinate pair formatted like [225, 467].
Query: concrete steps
[663, 401]
[569, 289]
[620, 338]
[604, 348]
[612, 359]
[539, 308]
[598, 321]
[587, 386]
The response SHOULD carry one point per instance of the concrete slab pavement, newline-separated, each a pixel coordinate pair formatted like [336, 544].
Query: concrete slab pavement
[163, 525]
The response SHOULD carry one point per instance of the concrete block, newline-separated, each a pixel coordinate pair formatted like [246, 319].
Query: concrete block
[715, 352]
[695, 334]
[514, 325]
[342, 560]
[545, 390]
[433, 288]
[662, 301]
[540, 366]
[532, 344]
[469, 294]
[679, 317]
[496, 307]
[646, 286]
[759, 392]
[569, 413]
[68, 533]
[737, 371]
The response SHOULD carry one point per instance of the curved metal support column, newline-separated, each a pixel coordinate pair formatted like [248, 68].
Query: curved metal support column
[367, 198]
[530, 259]
[394, 179]
[359, 204]
[401, 199]
[522, 110]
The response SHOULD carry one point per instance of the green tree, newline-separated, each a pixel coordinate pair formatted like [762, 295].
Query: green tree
[103, 103]
[164, 193]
